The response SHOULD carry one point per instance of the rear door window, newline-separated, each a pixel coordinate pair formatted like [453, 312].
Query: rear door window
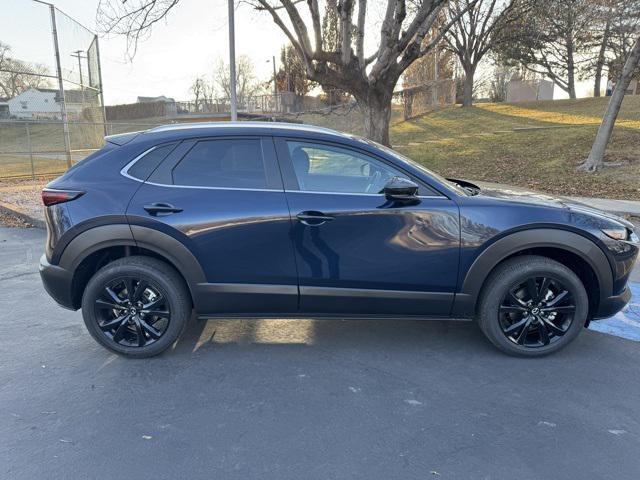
[223, 163]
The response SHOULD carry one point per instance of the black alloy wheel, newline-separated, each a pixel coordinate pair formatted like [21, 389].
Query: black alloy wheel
[136, 306]
[133, 312]
[537, 312]
[532, 305]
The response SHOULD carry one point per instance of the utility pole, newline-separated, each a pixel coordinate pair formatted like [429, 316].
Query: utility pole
[232, 64]
[275, 85]
[78, 54]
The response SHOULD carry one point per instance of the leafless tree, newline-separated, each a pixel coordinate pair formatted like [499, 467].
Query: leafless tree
[16, 76]
[596, 156]
[369, 78]
[472, 35]
[246, 82]
[291, 76]
[439, 63]
[132, 18]
[197, 89]
[625, 28]
[604, 13]
[372, 78]
[553, 38]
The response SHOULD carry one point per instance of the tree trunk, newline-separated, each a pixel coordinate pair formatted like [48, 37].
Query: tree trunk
[467, 90]
[596, 83]
[571, 71]
[601, 58]
[596, 157]
[376, 111]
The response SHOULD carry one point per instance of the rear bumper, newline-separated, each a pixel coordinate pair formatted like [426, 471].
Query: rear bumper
[613, 304]
[57, 282]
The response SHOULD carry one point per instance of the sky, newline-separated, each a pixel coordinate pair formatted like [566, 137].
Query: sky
[184, 46]
[178, 50]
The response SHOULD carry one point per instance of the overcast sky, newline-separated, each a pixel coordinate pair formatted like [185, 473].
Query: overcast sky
[178, 50]
[185, 46]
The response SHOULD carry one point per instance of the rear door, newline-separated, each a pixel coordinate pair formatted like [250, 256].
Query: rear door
[223, 198]
[358, 252]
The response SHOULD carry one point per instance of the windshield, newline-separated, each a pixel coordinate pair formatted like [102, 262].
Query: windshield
[452, 185]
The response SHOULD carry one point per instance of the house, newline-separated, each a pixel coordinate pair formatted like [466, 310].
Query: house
[44, 103]
[519, 90]
[170, 107]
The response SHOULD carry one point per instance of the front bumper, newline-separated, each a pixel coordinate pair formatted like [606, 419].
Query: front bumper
[612, 305]
[57, 282]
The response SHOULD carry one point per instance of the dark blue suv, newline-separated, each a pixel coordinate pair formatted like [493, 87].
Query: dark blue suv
[276, 220]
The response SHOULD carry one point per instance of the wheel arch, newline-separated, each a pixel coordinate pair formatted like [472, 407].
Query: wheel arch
[97, 246]
[573, 250]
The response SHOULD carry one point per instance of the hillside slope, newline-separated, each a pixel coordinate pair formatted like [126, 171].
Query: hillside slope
[532, 144]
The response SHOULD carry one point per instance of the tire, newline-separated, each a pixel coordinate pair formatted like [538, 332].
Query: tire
[522, 323]
[136, 306]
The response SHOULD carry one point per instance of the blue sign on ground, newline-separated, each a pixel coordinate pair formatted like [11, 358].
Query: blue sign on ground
[625, 324]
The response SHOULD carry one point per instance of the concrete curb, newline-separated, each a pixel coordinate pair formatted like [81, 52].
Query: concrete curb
[12, 210]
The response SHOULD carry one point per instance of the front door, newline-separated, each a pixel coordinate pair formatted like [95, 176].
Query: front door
[357, 252]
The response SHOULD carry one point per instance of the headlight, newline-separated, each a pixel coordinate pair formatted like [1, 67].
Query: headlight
[618, 233]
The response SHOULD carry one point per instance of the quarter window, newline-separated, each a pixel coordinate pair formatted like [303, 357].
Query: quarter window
[324, 168]
[148, 163]
[224, 163]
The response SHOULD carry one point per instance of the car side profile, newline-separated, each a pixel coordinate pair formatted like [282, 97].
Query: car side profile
[279, 220]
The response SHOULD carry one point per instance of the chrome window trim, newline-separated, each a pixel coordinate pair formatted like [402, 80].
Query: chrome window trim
[202, 187]
[125, 170]
[125, 173]
[358, 194]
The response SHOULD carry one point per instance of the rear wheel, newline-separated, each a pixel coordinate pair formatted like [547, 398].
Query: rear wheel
[532, 306]
[136, 306]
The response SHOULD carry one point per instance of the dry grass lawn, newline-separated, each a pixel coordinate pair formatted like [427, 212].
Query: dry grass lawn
[504, 143]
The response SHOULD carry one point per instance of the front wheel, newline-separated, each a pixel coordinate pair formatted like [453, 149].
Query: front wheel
[136, 306]
[532, 306]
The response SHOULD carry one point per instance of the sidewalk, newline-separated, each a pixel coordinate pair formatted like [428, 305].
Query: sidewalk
[624, 207]
[620, 207]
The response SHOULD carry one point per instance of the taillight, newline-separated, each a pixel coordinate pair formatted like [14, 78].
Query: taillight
[51, 196]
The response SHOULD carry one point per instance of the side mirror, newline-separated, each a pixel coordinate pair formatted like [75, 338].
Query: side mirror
[401, 189]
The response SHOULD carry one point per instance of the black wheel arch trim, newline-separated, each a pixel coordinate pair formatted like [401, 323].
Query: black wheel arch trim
[100, 237]
[74, 232]
[515, 242]
[173, 249]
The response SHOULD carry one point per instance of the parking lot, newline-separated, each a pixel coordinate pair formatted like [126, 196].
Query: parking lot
[288, 399]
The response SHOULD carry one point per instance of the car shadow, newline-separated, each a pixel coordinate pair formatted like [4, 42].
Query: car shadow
[374, 335]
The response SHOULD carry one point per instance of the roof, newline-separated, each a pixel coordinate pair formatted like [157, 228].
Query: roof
[280, 126]
[70, 96]
[160, 98]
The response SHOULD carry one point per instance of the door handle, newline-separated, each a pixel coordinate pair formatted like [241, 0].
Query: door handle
[159, 209]
[313, 219]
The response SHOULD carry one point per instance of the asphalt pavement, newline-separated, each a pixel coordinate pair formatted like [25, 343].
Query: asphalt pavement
[301, 399]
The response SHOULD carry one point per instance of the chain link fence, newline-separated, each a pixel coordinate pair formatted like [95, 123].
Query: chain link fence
[51, 103]
[52, 112]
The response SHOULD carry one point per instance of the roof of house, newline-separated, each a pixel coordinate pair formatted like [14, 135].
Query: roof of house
[160, 98]
[71, 96]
